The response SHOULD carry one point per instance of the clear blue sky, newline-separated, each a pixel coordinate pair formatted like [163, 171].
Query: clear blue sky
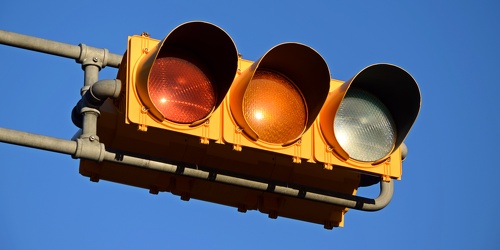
[447, 197]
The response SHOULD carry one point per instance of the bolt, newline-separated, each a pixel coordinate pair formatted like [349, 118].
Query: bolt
[92, 138]
[95, 59]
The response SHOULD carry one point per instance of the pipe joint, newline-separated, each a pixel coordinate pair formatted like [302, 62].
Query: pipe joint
[94, 97]
[92, 56]
[103, 89]
[89, 149]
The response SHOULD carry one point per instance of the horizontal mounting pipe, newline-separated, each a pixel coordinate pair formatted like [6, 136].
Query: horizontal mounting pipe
[77, 52]
[86, 149]
[349, 201]
[37, 141]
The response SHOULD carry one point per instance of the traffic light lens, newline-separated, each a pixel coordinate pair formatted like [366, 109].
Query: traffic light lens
[180, 90]
[274, 108]
[364, 127]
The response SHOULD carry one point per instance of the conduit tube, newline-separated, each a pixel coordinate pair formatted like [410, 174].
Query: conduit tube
[94, 97]
[86, 149]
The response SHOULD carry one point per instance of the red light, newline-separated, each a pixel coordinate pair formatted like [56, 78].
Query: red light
[180, 90]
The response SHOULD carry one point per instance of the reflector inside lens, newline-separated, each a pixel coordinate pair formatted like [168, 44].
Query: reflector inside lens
[364, 127]
[180, 90]
[274, 108]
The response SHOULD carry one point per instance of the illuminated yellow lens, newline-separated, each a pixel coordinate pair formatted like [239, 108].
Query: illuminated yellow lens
[274, 108]
[180, 90]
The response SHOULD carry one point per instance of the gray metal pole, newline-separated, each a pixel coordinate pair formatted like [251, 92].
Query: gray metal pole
[37, 141]
[354, 202]
[39, 44]
[56, 48]
[91, 76]
[95, 151]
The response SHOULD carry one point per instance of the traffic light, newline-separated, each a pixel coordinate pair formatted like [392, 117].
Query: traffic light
[178, 83]
[274, 101]
[192, 101]
[366, 119]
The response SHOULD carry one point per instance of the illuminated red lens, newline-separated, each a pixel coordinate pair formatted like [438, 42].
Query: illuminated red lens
[180, 90]
[274, 108]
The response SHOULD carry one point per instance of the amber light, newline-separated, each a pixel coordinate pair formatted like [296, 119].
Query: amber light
[180, 90]
[274, 108]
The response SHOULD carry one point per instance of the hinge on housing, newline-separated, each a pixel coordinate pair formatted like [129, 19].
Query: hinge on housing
[205, 132]
[142, 119]
[328, 158]
[239, 64]
[387, 170]
[237, 139]
[145, 42]
[328, 166]
[297, 151]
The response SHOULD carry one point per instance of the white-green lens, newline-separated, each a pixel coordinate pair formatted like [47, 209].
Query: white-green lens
[364, 127]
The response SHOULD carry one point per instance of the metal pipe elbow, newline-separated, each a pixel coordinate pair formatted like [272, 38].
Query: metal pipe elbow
[95, 96]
